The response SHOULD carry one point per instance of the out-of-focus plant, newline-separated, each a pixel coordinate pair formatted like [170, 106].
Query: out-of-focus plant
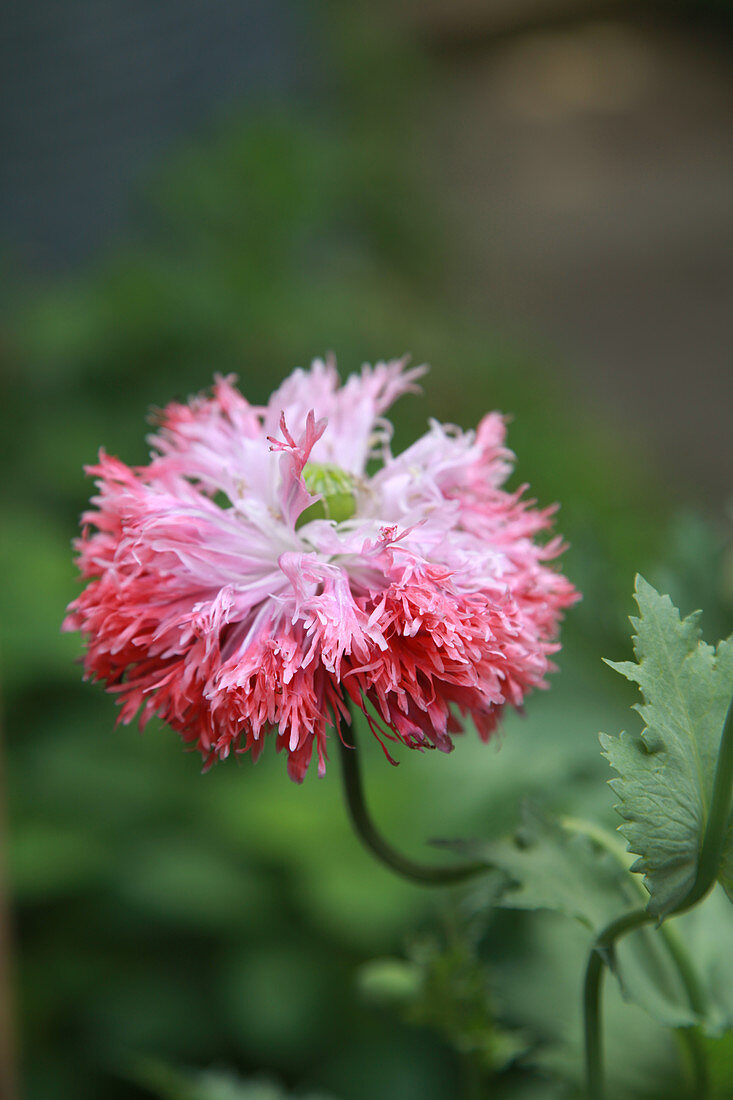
[443, 985]
[675, 783]
[260, 246]
[250, 582]
[176, 1084]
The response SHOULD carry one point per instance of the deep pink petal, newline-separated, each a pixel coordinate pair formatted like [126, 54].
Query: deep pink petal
[205, 605]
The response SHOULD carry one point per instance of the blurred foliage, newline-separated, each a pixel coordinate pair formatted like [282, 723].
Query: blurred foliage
[172, 1084]
[220, 920]
[443, 986]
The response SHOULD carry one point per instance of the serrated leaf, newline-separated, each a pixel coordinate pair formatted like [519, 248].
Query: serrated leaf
[584, 875]
[666, 772]
[547, 866]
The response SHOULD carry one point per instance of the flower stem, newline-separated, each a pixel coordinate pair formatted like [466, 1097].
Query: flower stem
[593, 1029]
[424, 873]
[705, 878]
[472, 1077]
[597, 962]
[690, 1039]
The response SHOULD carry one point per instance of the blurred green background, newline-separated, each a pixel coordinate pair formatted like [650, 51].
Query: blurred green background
[202, 937]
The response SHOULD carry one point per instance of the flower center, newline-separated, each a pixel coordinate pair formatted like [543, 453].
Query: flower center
[336, 488]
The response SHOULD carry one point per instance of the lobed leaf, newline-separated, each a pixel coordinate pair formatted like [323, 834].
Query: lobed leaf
[666, 772]
[581, 872]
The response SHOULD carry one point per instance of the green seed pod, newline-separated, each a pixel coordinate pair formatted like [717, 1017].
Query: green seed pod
[337, 490]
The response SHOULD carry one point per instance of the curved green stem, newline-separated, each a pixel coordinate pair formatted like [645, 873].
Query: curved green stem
[593, 1029]
[689, 1038]
[705, 878]
[685, 969]
[410, 869]
[597, 962]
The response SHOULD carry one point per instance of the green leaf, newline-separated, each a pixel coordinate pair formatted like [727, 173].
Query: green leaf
[444, 986]
[666, 772]
[565, 870]
[581, 871]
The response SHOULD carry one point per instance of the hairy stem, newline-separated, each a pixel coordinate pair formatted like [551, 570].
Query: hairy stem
[593, 1029]
[424, 873]
[599, 958]
[690, 1039]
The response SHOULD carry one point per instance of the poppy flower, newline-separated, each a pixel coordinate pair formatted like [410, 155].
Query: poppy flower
[272, 565]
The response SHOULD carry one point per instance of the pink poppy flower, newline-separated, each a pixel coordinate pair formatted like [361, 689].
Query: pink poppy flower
[271, 565]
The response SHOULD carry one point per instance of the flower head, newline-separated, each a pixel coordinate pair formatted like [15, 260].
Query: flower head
[255, 576]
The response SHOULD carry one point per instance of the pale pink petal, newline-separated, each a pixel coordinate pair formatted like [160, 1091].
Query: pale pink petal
[354, 410]
[209, 603]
